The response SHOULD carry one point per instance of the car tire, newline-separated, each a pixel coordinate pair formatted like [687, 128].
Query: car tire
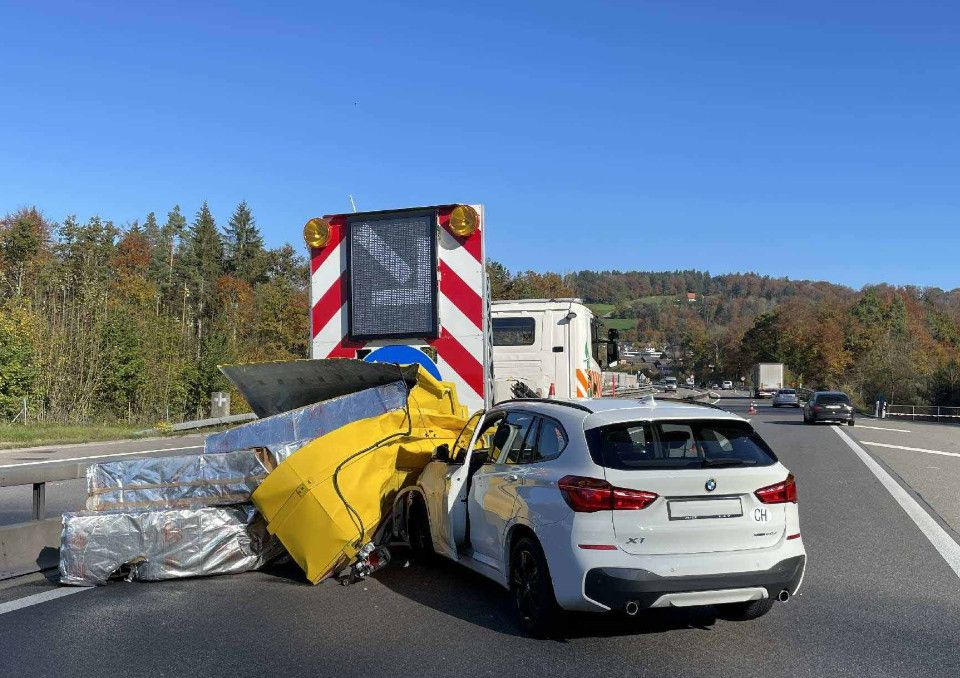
[753, 609]
[850, 423]
[532, 589]
[418, 533]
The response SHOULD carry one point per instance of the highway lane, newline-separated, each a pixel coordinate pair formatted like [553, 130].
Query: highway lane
[877, 600]
[15, 502]
[922, 455]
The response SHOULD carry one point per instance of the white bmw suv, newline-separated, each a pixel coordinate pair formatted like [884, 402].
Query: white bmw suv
[612, 505]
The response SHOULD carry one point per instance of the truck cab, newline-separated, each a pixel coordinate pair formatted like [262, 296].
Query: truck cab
[553, 346]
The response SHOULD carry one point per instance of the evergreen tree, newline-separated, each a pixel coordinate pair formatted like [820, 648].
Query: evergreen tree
[201, 265]
[170, 236]
[246, 258]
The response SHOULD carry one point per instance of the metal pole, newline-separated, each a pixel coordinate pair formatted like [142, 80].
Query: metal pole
[39, 500]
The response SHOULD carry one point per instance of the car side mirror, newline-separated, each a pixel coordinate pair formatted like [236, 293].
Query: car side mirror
[442, 453]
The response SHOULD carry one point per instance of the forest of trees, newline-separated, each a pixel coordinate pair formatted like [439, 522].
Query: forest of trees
[99, 322]
[107, 323]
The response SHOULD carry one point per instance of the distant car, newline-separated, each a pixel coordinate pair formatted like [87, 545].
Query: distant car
[829, 406]
[727, 386]
[786, 397]
[670, 384]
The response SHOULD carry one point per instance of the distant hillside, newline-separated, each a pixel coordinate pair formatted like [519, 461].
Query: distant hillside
[901, 342]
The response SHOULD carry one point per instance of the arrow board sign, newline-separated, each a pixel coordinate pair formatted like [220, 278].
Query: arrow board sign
[393, 276]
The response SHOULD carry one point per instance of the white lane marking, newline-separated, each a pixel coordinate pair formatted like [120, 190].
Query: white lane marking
[931, 529]
[912, 449]
[881, 428]
[100, 456]
[38, 598]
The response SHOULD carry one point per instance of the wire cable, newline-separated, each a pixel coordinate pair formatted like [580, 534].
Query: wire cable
[351, 511]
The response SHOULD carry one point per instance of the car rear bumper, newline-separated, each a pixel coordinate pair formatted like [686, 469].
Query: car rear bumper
[614, 587]
[832, 416]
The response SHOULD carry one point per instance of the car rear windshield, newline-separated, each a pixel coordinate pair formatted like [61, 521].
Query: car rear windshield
[787, 391]
[833, 399]
[677, 444]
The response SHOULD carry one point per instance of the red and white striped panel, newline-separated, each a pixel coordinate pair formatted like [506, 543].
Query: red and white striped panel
[460, 345]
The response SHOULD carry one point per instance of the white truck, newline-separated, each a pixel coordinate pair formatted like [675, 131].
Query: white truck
[548, 345]
[767, 379]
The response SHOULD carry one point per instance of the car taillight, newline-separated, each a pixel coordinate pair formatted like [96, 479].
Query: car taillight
[817, 408]
[587, 495]
[780, 493]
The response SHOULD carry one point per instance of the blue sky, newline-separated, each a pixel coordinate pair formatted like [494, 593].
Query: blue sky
[815, 140]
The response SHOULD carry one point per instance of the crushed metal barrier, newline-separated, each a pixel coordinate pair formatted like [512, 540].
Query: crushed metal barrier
[163, 544]
[183, 481]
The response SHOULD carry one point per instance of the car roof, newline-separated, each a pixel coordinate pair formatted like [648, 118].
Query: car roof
[593, 412]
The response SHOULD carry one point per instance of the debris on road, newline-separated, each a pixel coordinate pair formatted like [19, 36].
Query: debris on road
[322, 475]
[191, 480]
[153, 545]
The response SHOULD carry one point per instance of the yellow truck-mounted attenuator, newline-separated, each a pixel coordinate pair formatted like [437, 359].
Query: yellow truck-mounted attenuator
[327, 500]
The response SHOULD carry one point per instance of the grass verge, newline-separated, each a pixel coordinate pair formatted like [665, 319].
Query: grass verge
[31, 435]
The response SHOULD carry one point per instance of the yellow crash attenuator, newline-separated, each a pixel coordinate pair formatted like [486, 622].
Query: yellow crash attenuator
[301, 504]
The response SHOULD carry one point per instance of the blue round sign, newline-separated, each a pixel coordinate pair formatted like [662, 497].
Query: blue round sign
[403, 355]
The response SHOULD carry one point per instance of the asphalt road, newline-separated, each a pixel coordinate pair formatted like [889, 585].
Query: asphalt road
[877, 600]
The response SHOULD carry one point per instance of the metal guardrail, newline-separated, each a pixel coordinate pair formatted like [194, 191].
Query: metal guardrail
[944, 413]
[216, 421]
[39, 473]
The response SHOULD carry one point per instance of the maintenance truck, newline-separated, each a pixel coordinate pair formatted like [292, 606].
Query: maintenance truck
[409, 286]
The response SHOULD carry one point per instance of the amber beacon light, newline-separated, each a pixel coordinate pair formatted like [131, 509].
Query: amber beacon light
[316, 232]
[464, 220]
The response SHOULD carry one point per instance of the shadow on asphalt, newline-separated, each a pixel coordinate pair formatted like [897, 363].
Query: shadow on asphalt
[787, 422]
[454, 590]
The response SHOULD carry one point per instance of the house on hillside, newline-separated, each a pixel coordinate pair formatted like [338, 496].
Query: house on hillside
[691, 296]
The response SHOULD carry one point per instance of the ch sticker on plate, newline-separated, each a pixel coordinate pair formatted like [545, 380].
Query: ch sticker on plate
[761, 515]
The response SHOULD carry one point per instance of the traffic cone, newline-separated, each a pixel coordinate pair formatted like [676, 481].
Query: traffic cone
[553, 390]
[753, 408]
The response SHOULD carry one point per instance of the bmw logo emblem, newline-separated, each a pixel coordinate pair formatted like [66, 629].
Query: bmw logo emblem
[711, 485]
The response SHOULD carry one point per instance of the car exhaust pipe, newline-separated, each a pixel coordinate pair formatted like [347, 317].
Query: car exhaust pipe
[783, 596]
[632, 608]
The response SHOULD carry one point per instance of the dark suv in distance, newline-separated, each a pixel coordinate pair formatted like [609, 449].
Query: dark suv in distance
[828, 406]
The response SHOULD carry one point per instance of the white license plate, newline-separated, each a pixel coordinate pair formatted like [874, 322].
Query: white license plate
[833, 407]
[693, 509]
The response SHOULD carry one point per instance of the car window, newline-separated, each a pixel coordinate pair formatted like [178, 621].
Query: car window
[622, 446]
[833, 399]
[786, 391]
[523, 439]
[551, 440]
[459, 450]
[486, 439]
[695, 444]
[722, 441]
[677, 442]
[513, 429]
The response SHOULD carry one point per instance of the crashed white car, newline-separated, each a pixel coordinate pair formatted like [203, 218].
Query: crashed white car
[612, 505]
